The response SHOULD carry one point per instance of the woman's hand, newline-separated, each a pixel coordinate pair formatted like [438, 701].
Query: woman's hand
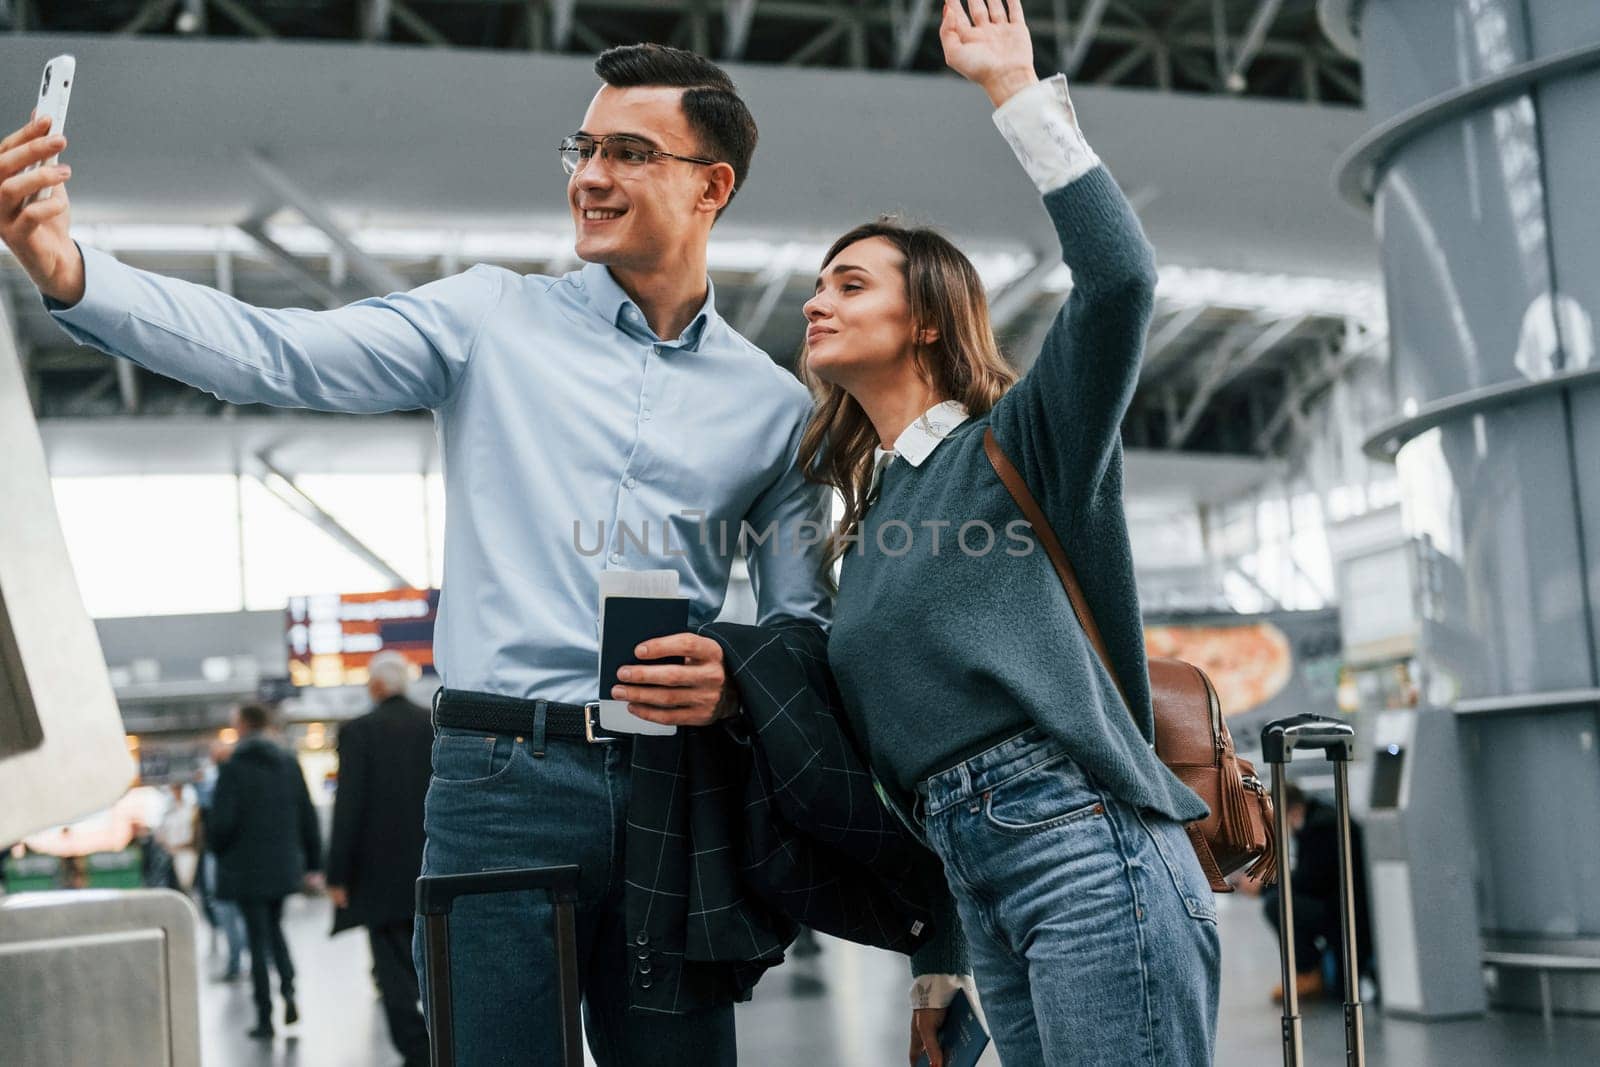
[990, 46]
[925, 1023]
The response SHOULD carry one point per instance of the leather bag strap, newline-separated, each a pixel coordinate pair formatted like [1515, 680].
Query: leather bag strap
[1011, 478]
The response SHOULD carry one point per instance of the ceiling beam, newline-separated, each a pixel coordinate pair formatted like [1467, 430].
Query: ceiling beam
[1131, 61]
[420, 27]
[736, 18]
[1019, 295]
[128, 386]
[1250, 47]
[818, 44]
[1088, 27]
[308, 281]
[152, 13]
[375, 15]
[1166, 336]
[284, 487]
[1219, 37]
[244, 18]
[1213, 375]
[561, 20]
[772, 282]
[910, 20]
[373, 273]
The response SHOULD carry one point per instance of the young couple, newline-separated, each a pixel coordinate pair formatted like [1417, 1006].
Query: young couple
[618, 392]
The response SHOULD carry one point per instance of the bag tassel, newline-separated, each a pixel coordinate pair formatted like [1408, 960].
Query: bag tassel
[1264, 868]
[1235, 804]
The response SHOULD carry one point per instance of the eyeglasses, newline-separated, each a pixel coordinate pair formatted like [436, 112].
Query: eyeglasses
[619, 150]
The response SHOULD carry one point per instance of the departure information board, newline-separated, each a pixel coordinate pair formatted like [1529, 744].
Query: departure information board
[333, 637]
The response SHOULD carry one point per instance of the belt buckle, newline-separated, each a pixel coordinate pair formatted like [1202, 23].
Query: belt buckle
[590, 710]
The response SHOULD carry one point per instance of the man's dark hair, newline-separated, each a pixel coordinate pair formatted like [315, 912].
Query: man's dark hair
[254, 717]
[716, 114]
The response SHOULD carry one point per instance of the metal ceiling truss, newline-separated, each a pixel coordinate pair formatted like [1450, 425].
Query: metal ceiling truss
[282, 485]
[1216, 379]
[1251, 47]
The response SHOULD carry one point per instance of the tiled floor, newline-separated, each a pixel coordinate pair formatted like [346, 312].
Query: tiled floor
[857, 1020]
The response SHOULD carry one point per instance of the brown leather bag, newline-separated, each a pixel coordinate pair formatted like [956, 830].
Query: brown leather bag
[1192, 738]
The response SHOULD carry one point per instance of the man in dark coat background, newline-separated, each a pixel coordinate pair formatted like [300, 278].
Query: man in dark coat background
[264, 832]
[385, 760]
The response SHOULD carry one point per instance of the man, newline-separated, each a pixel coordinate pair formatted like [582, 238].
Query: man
[376, 848]
[223, 915]
[613, 401]
[1314, 824]
[264, 832]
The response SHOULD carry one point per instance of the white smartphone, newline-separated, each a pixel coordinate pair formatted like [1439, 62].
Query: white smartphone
[55, 89]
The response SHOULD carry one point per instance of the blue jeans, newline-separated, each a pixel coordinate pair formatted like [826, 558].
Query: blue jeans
[1092, 931]
[224, 914]
[494, 803]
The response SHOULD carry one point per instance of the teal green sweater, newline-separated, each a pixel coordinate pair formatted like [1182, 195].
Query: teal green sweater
[942, 653]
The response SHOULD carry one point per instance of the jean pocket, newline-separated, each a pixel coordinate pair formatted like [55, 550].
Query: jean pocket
[1177, 855]
[468, 757]
[1045, 797]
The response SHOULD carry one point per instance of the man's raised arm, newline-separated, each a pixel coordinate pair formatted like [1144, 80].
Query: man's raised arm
[402, 351]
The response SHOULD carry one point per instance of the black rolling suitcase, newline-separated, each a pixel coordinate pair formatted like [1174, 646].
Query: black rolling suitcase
[1279, 742]
[437, 895]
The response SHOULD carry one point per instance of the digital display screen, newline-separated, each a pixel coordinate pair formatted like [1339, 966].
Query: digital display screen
[1387, 769]
[332, 638]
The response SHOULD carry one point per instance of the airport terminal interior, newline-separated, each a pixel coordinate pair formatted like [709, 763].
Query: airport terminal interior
[1361, 470]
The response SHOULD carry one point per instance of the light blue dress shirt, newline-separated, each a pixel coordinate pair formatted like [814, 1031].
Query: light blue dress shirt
[562, 419]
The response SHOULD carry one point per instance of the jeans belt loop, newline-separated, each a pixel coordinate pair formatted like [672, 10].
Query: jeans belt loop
[966, 781]
[539, 709]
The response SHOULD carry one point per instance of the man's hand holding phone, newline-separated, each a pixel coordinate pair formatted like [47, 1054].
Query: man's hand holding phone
[35, 230]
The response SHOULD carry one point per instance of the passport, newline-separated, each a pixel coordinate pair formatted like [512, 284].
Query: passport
[962, 1037]
[631, 620]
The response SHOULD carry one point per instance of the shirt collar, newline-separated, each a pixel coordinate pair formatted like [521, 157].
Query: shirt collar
[614, 305]
[918, 440]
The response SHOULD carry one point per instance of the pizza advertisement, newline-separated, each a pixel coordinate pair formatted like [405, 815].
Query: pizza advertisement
[1264, 667]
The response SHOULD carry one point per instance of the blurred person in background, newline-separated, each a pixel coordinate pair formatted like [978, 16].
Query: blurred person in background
[1314, 877]
[73, 874]
[176, 833]
[223, 915]
[375, 854]
[156, 869]
[268, 845]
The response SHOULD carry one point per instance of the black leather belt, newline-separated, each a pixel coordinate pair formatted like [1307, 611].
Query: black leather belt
[495, 714]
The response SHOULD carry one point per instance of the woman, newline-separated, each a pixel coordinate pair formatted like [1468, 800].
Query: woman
[1091, 929]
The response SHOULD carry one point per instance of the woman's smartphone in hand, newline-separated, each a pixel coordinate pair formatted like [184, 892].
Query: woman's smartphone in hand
[55, 89]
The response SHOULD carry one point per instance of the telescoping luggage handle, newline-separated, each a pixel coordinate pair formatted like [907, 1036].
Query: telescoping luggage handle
[436, 896]
[1280, 740]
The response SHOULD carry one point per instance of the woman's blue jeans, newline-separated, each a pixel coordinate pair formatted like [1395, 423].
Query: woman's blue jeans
[1092, 930]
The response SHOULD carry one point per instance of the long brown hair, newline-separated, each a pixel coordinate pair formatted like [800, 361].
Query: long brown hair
[962, 363]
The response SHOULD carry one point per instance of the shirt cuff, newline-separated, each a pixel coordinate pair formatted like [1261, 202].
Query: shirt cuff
[104, 301]
[935, 990]
[1042, 129]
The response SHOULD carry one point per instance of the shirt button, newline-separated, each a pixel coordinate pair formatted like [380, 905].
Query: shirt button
[646, 415]
[642, 939]
[631, 482]
[616, 557]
